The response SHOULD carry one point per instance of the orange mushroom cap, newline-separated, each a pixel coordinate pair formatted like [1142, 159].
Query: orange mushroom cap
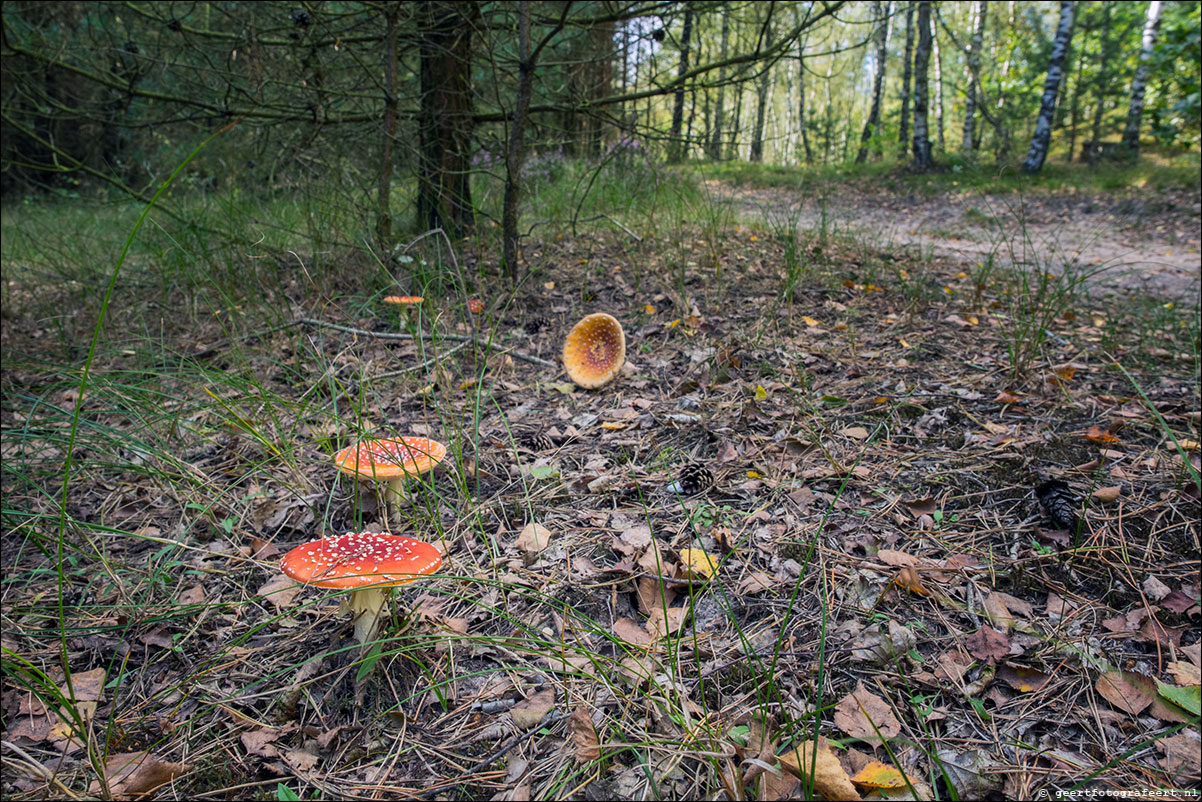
[361, 559]
[403, 299]
[390, 459]
[595, 350]
[475, 306]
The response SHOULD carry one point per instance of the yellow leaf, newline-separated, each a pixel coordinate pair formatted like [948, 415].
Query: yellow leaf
[754, 238]
[649, 309]
[754, 475]
[877, 775]
[961, 274]
[672, 324]
[760, 393]
[905, 344]
[549, 285]
[973, 319]
[809, 321]
[816, 762]
[698, 564]
[613, 426]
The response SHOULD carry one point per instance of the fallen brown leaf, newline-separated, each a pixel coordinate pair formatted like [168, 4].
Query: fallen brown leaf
[816, 764]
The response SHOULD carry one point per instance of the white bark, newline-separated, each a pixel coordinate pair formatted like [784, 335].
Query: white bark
[1047, 108]
[974, 78]
[1140, 82]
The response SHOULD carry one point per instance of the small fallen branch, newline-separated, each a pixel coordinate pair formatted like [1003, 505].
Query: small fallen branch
[460, 338]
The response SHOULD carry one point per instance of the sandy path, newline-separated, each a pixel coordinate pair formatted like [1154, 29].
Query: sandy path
[1146, 244]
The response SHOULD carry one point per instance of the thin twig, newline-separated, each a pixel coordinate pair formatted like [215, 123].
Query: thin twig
[388, 335]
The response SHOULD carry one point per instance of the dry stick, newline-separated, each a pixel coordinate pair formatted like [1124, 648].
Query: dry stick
[547, 720]
[387, 335]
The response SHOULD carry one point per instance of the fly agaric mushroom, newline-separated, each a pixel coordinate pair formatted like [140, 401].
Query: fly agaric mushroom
[369, 563]
[595, 350]
[475, 306]
[391, 460]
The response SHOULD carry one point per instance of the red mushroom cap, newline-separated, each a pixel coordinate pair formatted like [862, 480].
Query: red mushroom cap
[475, 306]
[389, 459]
[361, 559]
[595, 350]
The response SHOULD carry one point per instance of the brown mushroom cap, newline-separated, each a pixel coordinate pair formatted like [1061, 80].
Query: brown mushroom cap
[387, 460]
[595, 350]
[361, 559]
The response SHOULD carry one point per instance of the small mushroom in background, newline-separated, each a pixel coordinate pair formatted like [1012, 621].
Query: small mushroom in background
[594, 350]
[475, 306]
[391, 461]
[408, 302]
[371, 563]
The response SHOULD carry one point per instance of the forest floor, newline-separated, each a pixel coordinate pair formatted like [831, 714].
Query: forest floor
[1140, 242]
[870, 595]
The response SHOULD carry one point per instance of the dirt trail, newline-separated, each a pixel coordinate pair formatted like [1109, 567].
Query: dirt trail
[1147, 244]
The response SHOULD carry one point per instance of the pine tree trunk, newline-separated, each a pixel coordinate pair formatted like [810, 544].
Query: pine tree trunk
[1140, 83]
[517, 145]
[873, 123]
[1042, 138]
[922, 58]
[444, 198]
[903, 136]
[677, 145]
[384, 184]
[715, 142]
[967, 138]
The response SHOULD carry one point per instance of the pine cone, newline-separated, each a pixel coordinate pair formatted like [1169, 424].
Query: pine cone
[538, 441]
[536, 323]
[1058, 502]
[693, 478]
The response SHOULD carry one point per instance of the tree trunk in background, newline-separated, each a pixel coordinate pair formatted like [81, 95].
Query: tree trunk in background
[600, 83]
[761, 106]
[1102, 80]
[922, 58]
[732, 147]
[715, 143]
[801, 99]
[938, 86]
[1074, 113]
[677, 149]
[1140, 83]
[903, 135]
[1003, 129]
[967, 138]
[1038, 151]
[444, 198]
[384, 185]
[517, 145]
[873, 123]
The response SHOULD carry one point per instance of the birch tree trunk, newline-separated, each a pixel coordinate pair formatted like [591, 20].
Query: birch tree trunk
[677, 145]
[715, 144]
[873, 123]
[922, 58]
[761, 105]
[938, 86]
[1140, 82]
[1042, 138]
[967, 138]
[903, 136]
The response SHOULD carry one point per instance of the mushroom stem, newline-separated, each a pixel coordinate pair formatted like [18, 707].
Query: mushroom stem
[395, 495]
[367, 605]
